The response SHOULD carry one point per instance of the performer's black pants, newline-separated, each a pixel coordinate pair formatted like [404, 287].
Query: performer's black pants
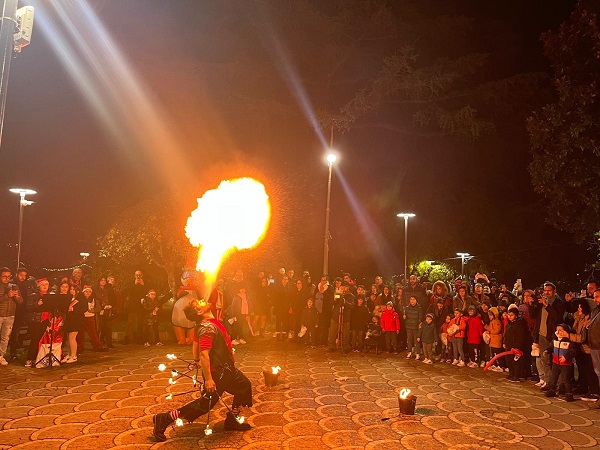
[231, 380]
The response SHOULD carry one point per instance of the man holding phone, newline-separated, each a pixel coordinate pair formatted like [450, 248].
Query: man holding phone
[10, 297]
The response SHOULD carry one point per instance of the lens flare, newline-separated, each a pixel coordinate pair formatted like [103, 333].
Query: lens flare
[234, 216]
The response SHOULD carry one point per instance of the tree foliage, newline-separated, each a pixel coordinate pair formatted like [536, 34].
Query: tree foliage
[565, 134]
[151, 231]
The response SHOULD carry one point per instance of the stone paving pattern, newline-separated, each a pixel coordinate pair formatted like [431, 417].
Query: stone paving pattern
[322, 401]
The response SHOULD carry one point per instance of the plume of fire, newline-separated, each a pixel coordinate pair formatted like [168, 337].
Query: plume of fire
[234, 216]
[404, 393]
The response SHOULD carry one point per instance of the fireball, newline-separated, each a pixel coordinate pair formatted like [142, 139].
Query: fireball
[234, 216]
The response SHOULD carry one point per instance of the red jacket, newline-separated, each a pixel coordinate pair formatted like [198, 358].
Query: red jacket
[474, 329]
[462, 326]
[390, 321]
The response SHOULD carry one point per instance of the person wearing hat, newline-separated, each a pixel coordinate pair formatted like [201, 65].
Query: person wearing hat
[563, 352]
[516, 336]
[93, 307]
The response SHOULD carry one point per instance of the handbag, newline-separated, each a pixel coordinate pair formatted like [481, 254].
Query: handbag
[486, 337]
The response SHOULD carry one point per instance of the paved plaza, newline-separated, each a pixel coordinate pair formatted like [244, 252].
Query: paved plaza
[322, 401]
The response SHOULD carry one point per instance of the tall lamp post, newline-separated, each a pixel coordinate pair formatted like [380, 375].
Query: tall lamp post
[331, 157]
[406, 216]
[22, 204]
[464, 258]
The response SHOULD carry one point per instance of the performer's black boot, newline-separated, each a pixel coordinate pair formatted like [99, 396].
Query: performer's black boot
[161, 422]
[231, 423]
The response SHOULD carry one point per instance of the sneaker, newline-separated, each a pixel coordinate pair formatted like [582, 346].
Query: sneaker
[159, 344]
[72, 360]
[418, 357]
[539, 383]
[147, 344]
[66, 359]
[233, 423]
[482, 364]
[429, 361]
[275, 333]
[235, 342]
[514, 380]
[472, 364]
[551, 393]
[506, 369]
[409, 355]
[29, 363]
[590, 397]
[425, 361]
[455, 362]
[461, 363]
[449, 361]
[161, 422]
[242, 341]
[3, 361]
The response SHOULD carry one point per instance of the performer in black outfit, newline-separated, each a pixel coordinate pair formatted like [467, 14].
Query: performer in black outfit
[214, 356]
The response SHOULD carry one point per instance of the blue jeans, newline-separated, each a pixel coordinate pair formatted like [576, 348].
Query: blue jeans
[6, 325]
[458, 348]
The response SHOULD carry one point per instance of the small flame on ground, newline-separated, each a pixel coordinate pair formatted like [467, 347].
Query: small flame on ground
[172, 381]
[240, 419]
[404, 393]
[162, 367]
[169, 396]
[207, 430]
[234, 216]
[275, 370]
[174, 373]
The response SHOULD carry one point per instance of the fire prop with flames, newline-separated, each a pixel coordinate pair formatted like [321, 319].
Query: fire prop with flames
[234, 216]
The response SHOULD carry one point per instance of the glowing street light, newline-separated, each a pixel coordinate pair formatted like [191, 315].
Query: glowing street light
[22, 203]
[464, 258]
[84, 255]
[331, 158]
[406, 216]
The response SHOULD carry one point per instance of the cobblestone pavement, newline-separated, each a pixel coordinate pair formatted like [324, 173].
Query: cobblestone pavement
[322, 400]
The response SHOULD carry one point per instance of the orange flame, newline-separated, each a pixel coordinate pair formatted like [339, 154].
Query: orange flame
[234, 216]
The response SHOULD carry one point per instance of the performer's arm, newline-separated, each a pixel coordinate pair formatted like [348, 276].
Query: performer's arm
[209, 383]
[195, 351]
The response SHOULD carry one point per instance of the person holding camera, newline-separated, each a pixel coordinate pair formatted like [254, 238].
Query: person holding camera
[10, 297]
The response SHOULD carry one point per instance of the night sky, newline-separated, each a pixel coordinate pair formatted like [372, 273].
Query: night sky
[222, 86]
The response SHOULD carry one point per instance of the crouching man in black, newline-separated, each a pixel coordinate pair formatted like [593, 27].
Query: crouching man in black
[213, 354]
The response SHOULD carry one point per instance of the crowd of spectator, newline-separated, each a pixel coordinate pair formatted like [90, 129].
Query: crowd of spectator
[530, 334]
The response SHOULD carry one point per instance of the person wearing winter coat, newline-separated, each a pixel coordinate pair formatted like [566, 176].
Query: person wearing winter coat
[494, 328]
[390, 325]
[474, 337]
[309, 323]
[563, 353]
[373, 334]
[413, 316]
[516, 336]
[359, 319]
[588, 381]
[457, 331]
[439, 291]
[427, 336]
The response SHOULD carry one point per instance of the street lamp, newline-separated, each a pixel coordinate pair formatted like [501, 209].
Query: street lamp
[464, 258]
[406, 216]
[22, 203]
[331, 157]
[84, 255]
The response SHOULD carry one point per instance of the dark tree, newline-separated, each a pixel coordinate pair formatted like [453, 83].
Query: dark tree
[565, 135]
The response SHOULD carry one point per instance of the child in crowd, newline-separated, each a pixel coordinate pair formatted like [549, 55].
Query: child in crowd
[426, 337]
[151, 319]
[457, 329]
[373, 334]
[474, 337]
[515, 336]
[563, 352]
[390, 325]
[310, 322]
[446, 340]
[412, 318]
[360, 316]
[494, 328]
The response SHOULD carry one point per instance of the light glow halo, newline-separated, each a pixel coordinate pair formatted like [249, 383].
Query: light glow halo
[235, 216]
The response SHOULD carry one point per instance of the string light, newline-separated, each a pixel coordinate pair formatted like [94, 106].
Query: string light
[174, 372]
[207, 430]
[172, 381]
[162, 367]
[179, 422]
[171, 356]
[169, 397]
[78, 266]
[240, 419]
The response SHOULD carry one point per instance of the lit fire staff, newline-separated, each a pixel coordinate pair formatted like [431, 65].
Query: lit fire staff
[214, 356]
